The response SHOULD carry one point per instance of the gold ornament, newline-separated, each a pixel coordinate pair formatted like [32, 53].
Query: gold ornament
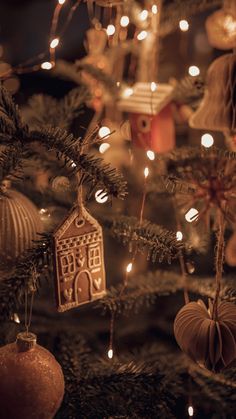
[217, 111]
[19, 224]
[221, 27]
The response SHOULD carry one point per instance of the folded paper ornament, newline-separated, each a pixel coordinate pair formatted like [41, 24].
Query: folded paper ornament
[217, 111]
[208, 340]
[221, 26]
[150, 115]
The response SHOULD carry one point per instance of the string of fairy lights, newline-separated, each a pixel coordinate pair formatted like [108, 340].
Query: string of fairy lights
[40, 62]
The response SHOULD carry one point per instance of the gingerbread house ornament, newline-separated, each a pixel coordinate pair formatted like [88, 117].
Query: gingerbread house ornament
[150, 116]
[79, 260]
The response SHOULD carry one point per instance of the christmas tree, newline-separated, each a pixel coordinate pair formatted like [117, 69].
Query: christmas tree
[118, 204]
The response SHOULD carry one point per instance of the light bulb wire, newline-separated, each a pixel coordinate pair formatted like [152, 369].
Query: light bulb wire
[181, 255]
[29, 305]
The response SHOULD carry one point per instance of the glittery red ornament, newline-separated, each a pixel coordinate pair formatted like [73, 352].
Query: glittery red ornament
[32, 383]
[209, 342]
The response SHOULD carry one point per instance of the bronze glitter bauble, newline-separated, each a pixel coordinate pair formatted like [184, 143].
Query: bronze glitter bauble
[210, 343]
[32, 382]
[19, 224]
[221, 28]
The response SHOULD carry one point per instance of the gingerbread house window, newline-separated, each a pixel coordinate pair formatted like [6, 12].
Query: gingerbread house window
[94, 257]
[68, 264]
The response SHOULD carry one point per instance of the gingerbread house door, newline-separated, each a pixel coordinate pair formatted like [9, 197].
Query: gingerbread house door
[83, 287]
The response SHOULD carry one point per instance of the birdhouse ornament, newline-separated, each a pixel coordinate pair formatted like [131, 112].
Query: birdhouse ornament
[79, 260]
[150, 115]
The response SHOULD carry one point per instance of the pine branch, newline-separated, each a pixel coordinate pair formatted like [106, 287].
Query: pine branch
[153, 378]
[13, 288]
[144, 289]
[160, 243]
[10, 119]
[96, 388]
[197, 163]
[10, 162]
[188, 90]
[58, 113]
[73, 354]
[172, 185]
[68, 148]
[217, 388]
[100, 76]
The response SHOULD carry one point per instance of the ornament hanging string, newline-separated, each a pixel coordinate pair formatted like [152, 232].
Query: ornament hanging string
[28, 319]
[220, 247]
[28, 310]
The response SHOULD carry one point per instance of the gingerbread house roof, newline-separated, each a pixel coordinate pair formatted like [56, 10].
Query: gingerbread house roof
[144, 100]
[75, 212]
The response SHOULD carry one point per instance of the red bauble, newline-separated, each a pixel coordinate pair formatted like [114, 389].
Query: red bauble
[210, 343]
[32, 383]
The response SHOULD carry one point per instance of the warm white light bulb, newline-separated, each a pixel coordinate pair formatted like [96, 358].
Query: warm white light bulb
[124, 21]
[179, 236]
[184, 25]
[104, 147]
[193, 71]
[101, 196]
[104, 132]
[191, 215]
[110, 353]
[16, 318]
[143, 15]
[207, 140]
[190, 411]
[42, 211]
[111, 30]
[151, 155]
[61, 1]
[146, 172]
[127, 92]
[153, 86]
[54, 43]
[142, 35]
[154, 9]
[46, 65]
[129, 267]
